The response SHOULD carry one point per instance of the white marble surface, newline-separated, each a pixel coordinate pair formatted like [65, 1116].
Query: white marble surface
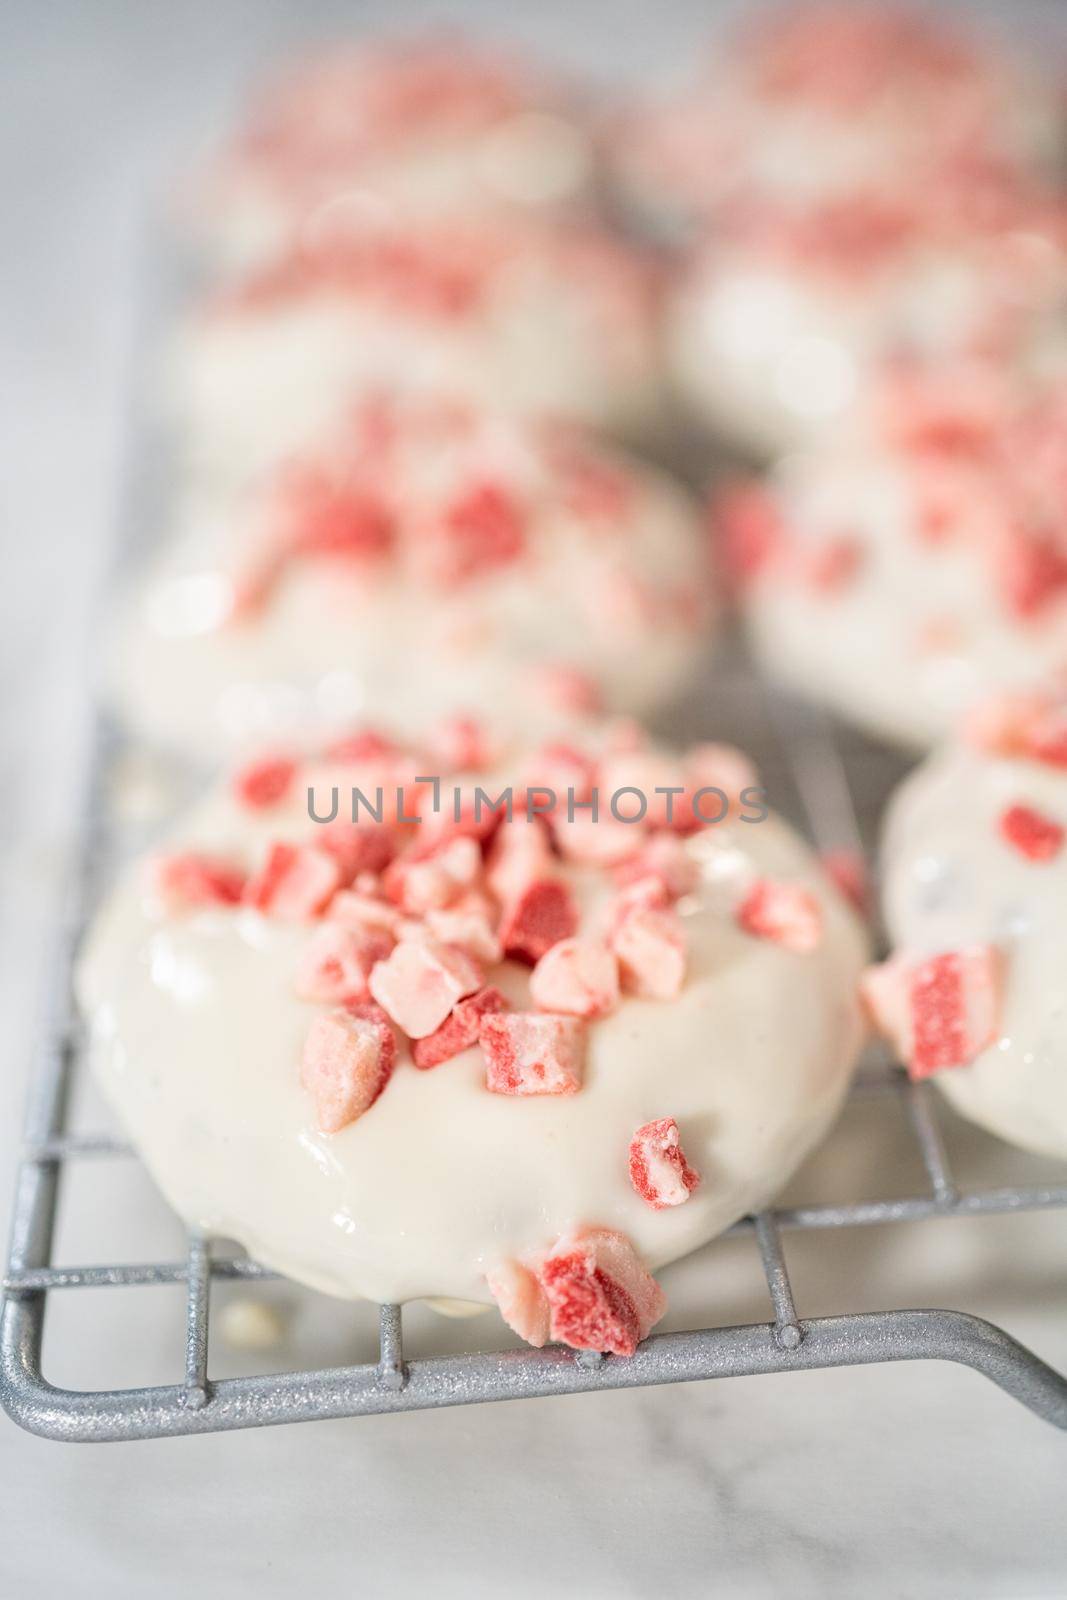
[917, 1482]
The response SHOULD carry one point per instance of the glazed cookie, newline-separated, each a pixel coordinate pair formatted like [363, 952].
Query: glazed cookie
[817, 103]
[975, 897]
[912, 569]
[429, 126]
[432, 558]
[525, 316]
[527, 1059]
[782, 323]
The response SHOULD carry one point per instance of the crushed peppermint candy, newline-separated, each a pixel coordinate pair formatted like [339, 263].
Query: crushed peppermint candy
[659, 1171]
[939, 1011]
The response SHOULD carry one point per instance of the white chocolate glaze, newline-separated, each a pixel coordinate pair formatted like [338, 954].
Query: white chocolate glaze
[525, 317]
[424, 127]
[951, 881]
[196, 1036]
[614, 587]
[926, 621]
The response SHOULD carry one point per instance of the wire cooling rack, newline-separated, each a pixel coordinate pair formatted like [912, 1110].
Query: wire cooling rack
[809, 776]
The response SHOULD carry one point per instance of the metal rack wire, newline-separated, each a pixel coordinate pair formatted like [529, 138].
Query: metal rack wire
[799, 749]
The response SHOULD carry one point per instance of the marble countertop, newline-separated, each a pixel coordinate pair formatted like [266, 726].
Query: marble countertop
[921, 1481]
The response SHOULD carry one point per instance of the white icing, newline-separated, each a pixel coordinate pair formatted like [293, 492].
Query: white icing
[196, 1036]
[951, 881]
[870, 649]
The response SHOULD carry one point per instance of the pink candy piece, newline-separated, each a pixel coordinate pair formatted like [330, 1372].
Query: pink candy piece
[338, 962]
[658, 1168]
[664, 857]
[646, 771]
[940, 1011]
[420, 982]
[782, 912]
[467, 929]
[577, 976]
[189, 880]
[650, 946]
[848, 870]
[599, 1295]
[420, 883]
[357, 846]
[834, 565]
[520, 1300]
[1030, 727]
[459, 1030]
[462, 744]
[294, 883]
[1032, 834]
[519, 855]
[562, 767]
[355, 909]
[264, 783]
[566, 688]
[718, 766]
[528, 1052]
[345, 1065]
[541, 915]
[601, 841]
[750, 529]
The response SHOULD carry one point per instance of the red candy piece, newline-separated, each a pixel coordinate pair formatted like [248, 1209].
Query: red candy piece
[939, 1012]
[484, 528]
[650, 946]
[1036, 837]
[189, 880]
[327, 518]
[782, 912]
[294, 883]
[539, 917]
[752, 532]
[599, 1295]
[345, 1065]
[420, 982]
[459, 1030]
[1032, 574]
[658, 1168]
[527, 1052]
[264, 783]
[577, 976]
[338, 962]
